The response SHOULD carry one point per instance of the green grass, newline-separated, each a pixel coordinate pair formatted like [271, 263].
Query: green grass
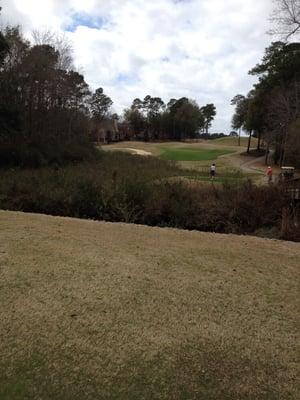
[193, 154]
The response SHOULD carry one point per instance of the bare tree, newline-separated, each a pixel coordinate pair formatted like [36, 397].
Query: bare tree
[60, 43]
[281, 115]
[286, 19]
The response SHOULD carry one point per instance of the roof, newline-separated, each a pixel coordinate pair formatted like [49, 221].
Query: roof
[287, 168]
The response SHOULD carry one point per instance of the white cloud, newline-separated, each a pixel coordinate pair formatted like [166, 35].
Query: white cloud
[201, 49]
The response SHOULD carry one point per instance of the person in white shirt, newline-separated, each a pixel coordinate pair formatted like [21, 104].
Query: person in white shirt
[212, 171]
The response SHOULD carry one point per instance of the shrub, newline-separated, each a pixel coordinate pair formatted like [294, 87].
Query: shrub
[33, 155]
[121, 187]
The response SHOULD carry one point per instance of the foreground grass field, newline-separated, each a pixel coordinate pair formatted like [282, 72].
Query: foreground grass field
[94, 310]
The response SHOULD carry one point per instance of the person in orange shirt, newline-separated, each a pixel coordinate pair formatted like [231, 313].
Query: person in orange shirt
[269, 174]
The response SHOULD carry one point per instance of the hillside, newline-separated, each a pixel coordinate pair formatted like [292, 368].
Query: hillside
[94, 310]
[234, 141]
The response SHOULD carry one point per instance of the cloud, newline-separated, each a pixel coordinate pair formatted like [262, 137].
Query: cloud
[202, 49]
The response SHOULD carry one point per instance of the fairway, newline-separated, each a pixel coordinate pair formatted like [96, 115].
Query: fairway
[196, 156]
[192, 154]
[93, 310]
[234, 141]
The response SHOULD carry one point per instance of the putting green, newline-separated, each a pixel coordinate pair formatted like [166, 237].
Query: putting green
[193, 154]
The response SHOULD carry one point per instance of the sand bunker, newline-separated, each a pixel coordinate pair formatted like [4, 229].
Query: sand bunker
[133, 151]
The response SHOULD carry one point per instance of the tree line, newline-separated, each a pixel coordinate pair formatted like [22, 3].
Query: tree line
[271, 110]
[43, 102]
[48, 112]
[179, 119]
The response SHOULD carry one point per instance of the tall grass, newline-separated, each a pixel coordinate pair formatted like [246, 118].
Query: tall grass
[129, 188]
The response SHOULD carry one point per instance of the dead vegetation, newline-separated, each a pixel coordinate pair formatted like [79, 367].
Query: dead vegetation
[97, 310]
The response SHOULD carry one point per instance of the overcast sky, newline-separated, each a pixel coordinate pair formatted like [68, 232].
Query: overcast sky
[201, 49]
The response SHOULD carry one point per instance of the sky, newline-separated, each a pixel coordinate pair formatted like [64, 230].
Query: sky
[200, 49]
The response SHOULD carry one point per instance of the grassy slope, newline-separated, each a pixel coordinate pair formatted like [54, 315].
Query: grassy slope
[93, 310]
[233, 141]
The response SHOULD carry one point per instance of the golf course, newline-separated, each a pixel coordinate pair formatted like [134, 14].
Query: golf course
[149, 200]
[196, 155]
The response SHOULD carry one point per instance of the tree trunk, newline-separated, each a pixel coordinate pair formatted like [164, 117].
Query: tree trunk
[30, 110]
[284, 222]
[281, 156]
[249, 142]
[267, 153]
[239, 136]
[258, 141]
[282, 152]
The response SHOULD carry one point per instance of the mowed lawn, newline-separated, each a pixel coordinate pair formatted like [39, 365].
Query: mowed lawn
[93, 310]
[192, 154]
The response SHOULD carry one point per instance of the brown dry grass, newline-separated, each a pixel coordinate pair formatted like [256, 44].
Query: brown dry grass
[234, 141]
[93, 310]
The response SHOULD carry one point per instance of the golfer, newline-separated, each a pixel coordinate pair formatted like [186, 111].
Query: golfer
[212, 171]
[269, 174]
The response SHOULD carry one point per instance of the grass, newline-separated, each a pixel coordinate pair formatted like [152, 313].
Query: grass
[224, 175]
[234, 141]
[93, 310]
[218, 179]
[201, 153]
[192, 154]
